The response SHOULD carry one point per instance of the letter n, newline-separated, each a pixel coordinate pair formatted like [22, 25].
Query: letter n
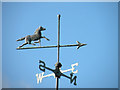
[73, 79]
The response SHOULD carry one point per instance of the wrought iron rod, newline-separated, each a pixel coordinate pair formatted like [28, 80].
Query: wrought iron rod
[58, 36]
[57, 82]
[57, 79]
[71, 45]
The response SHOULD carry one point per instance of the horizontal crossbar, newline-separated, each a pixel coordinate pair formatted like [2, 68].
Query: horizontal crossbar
[51, 46]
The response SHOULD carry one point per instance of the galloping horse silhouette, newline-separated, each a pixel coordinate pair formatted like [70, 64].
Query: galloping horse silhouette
[36, 36]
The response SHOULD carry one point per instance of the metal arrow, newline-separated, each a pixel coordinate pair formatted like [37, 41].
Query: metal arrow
[71, 45]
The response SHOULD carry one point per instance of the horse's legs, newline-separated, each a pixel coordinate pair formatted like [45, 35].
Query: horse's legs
[46, 38]
[38, 42]
[23, 44]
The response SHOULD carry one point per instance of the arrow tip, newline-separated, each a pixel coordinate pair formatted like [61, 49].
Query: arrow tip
[80, 44]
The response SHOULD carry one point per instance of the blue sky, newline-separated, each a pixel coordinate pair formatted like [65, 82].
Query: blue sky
[93, 23]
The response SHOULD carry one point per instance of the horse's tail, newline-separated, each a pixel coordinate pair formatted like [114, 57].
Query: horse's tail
[21, 39]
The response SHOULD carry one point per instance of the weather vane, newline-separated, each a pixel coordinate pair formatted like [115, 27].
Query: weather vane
[57, 72]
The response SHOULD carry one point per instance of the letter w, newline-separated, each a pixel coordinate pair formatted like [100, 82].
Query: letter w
[39, 77]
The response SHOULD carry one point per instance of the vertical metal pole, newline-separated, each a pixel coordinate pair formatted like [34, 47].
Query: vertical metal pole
[58, 36]
[57, 79]
[57, 82]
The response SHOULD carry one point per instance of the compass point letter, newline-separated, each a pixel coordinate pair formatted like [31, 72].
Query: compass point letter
[73, 79]
[43, 66]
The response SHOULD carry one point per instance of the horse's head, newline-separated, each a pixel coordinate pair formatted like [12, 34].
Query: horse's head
[41, 28]
[38, 30]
